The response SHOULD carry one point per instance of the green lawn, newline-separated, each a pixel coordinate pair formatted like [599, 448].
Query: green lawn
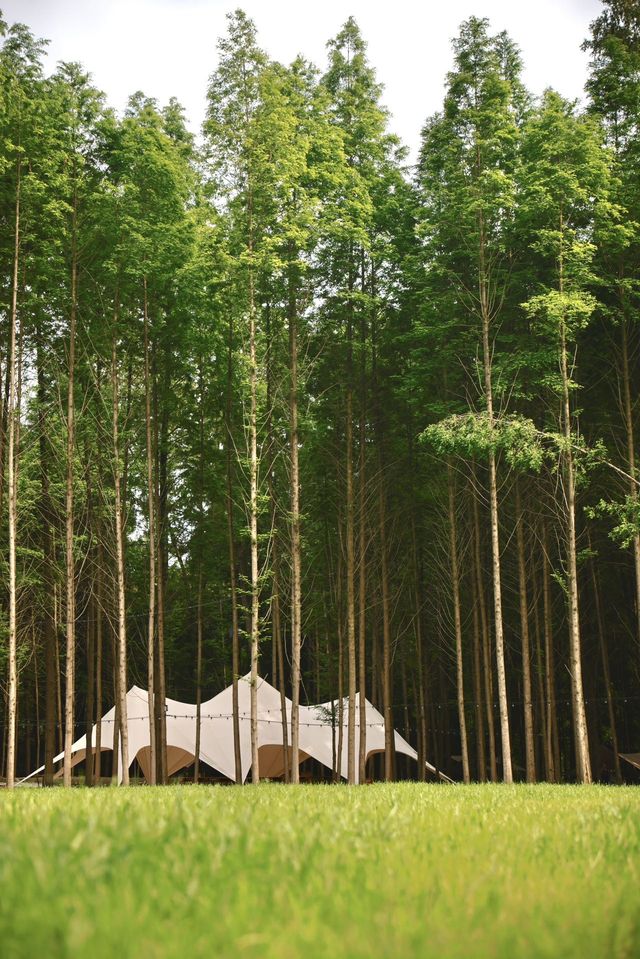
[398, 871]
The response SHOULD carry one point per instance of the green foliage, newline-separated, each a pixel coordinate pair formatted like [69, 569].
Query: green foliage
[564, 193]
[626, 516]
[472, 435]
[519, 227]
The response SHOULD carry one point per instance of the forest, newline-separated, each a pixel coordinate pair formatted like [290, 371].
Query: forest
[276, 400]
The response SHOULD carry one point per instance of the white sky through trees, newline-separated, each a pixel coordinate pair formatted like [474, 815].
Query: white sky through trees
[168, 47]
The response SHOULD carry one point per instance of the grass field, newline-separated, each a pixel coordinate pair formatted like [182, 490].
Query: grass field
[398, 871]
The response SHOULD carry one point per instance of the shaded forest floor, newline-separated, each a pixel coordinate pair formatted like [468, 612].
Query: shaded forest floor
[403, 870]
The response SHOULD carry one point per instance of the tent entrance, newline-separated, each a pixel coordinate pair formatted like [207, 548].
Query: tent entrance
[177, 758]
[271, 760]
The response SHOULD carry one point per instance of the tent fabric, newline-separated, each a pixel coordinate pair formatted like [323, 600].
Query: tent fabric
[319, 732]
[633, 758]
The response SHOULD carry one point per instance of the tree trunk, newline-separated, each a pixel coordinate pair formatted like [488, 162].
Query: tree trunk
[389, 750]
[69, 506]
[481, 760]
[362, 604]
[235, 634]
[529, 742]
[116, 719]
[200, 599]
[161, 556]
[542, 712]
[389, 744]
[457, 619]
[486, 644]
[97, 773]
[277, 647]
[362, 555]
[507, 773]
[57, 615]
[551, 752]
[199, 631]
[122, 614]
[277, 634]
[583, 762]
[13, 510]
[91, 666]
[350, 545]
[340, 717]
[296, 606]
[151, 626]
[422, 711]
[484, 296]
[48, 622]
[253, 528]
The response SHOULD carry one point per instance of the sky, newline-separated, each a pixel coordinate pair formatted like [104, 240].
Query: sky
[168, 47]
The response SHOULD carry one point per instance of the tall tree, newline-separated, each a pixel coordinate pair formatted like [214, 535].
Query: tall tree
[614, 89]
[565, 181]
[233, 99]
[467, 170]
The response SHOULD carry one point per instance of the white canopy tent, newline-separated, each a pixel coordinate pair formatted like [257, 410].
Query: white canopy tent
[319, 732]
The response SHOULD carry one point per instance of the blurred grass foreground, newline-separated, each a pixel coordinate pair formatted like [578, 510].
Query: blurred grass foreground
[403, 870]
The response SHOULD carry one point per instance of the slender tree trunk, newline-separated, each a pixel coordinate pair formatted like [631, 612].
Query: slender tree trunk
[507, 773]
[457, 619]
[162, 532]
[389, 744]
[200, 600]
[161, 554]
[57, 615]
[350, 545]
[553, 770]
[484, 296]
[235, 634]
[199, 630]
[362, 553]
[48, 623]
[422, 710]
[122, 614]
[4, 419]
[91, 609]
[389, 750]
[481, 760]
[253, 527]
[277, 634]
[338, 766]
[116, 718]
[583, 762]
[151, 626]
[296, 604]
[542, 712]
[36, 695]
[529, 742]
[13, 509]
[362, 602]
[99, 622]
[69, 510]
[91, 666]
[277, 646]
[486, 644]
[407, 716]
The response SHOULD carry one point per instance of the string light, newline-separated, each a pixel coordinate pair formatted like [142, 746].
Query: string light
[330, 722]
